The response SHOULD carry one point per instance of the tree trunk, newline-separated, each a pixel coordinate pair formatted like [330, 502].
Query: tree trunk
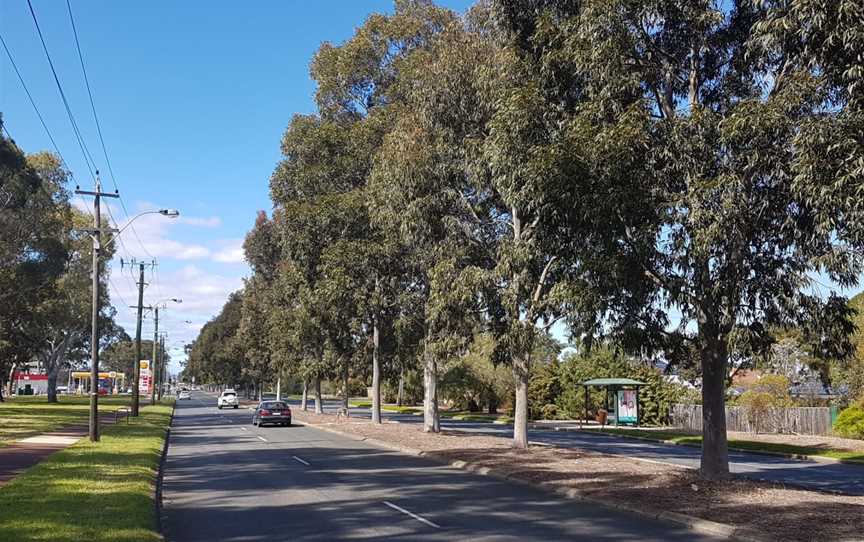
[376, 373]
[319, 408]
[52, 385]
[714, 358]
[304, 401]
[11, 383]
[400, 396]
[431, 419]
[493, 403]
[345, 385]
[520, 421]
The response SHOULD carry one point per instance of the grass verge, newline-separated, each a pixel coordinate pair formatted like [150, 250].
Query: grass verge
[91, 491]
[388, 408]
[475, 416]
[743, 445]
[22, 417]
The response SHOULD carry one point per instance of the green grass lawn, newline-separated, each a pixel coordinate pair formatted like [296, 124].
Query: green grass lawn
[389, 408]
[21, 417]
[91, 491]
[475, 416]
[747, 445]
[453, 414]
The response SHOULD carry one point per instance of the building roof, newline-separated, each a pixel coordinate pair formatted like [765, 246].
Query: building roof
[613, 382]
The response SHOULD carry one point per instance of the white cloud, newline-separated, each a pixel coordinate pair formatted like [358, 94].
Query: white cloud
[202, 291]
[232, 252]
[208, 222]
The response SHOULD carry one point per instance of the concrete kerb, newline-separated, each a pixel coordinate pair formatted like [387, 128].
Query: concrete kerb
[697, 525]
[160, 476]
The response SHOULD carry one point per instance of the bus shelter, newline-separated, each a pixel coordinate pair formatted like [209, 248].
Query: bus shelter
[625, 392]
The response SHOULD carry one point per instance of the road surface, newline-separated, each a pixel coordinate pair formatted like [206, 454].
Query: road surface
[227, 480]
[836, 477]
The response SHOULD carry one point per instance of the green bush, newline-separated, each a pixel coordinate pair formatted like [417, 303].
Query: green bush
[850, 423]
[655, 399]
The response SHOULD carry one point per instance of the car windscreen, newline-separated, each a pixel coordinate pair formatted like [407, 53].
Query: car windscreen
[229, 394]
[275, 406]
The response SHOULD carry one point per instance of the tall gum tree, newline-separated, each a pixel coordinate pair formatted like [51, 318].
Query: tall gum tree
[738, 213]
[351, 260]
[483, 158]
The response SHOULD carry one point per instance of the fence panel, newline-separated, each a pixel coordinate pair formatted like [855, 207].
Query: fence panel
[799, 420]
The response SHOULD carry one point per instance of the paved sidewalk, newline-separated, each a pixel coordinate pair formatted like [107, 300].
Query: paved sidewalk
[20, 455]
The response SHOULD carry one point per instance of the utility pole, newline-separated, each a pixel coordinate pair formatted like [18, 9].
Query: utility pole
[153, 360]
[96, 235]
[136, 368]
[163, 370]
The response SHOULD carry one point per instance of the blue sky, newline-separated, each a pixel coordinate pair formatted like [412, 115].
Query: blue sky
[193, 98]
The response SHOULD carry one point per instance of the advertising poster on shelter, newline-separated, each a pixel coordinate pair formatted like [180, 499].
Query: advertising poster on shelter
[627, 407]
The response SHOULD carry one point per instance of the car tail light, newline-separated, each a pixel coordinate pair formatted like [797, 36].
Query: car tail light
[265, 412]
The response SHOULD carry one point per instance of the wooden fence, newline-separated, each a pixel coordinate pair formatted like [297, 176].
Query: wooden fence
[798, 420]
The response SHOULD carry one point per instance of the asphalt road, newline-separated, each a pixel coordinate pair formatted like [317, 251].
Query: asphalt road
[836, 477]
[227, 480]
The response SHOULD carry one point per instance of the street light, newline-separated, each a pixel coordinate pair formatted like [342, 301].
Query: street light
[170, 213]
[95, 234]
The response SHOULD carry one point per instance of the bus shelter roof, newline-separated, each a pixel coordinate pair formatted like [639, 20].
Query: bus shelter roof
[613, 382]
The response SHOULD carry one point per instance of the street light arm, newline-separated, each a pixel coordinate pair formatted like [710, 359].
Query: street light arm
[170, 213]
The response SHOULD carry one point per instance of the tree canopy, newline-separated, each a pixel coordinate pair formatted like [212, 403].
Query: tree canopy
[667, 177]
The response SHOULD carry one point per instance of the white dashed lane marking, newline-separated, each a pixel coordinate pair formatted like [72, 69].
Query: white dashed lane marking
[412, 514]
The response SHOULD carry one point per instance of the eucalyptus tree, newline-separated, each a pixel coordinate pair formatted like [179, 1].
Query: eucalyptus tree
[510, 221]
[215, 355]
[33, 217]
[349, 265]
[746, 190]
[62, 309]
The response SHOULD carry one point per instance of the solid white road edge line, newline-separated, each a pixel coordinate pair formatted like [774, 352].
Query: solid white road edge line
[413, 515]
[301, 460]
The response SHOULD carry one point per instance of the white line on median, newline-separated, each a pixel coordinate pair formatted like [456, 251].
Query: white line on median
[301, 460]
[262, 439]
[243, 428]
[413, 515]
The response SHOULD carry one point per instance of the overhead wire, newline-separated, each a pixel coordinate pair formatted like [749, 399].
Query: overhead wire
[36, 109]
[99, 132]
[104, 146]
[88, 158]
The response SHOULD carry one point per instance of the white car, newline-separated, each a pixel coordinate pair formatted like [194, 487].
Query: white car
[228, 399]
[184, 394]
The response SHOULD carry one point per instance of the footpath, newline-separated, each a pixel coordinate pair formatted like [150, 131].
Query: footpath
[20, 455]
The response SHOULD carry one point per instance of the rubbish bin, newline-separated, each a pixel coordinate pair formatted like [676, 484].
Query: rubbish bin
[602, 416]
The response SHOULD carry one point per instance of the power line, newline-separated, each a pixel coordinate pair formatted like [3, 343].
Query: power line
[35, 108]
[90, 95]
[88, 158]
[101, 138]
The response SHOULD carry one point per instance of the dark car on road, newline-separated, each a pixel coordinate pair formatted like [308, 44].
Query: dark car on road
[273, 412]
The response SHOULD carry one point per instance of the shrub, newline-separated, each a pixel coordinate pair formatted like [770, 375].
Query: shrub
[655, 399]
[850, 423]
[763, 402]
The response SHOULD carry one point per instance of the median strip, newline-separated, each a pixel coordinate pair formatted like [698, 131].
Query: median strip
[412, 514]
